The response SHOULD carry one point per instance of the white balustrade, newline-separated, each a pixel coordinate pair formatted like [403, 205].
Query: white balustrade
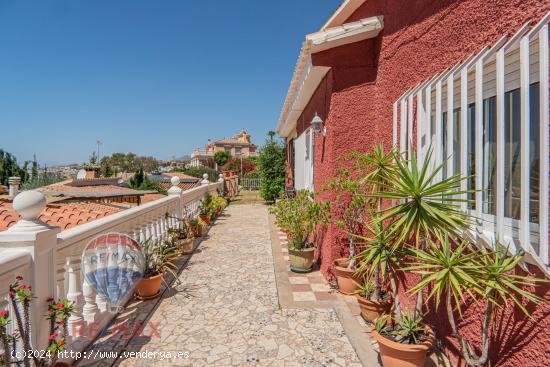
[50, 260]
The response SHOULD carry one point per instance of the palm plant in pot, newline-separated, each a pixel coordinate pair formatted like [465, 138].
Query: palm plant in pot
[349, 206]
[157, 259]
[300, 217]
[459, 274]
[426, 208]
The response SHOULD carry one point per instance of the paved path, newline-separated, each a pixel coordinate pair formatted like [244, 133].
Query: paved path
[226, 311]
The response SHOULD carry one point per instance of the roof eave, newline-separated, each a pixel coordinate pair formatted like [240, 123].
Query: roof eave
[307, 77]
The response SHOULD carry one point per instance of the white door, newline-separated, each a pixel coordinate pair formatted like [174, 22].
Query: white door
[303, 163]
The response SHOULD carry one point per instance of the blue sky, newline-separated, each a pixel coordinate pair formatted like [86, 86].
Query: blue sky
[152, 77]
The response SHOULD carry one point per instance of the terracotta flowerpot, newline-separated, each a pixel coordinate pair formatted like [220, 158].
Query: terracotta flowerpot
[371, 310]
[187, 245]
[148, 288]
[394, 354]
[199, 231]
[346, 278]
[205, 218]
[301, 260]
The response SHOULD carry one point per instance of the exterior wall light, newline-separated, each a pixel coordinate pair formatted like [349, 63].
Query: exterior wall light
[318, 126]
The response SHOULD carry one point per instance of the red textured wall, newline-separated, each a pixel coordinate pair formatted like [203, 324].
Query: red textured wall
[420, 39]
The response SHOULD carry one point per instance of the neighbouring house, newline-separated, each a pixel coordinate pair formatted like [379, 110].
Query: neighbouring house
[392, 72]
[187, 182]
[240, 145]
[77, 201]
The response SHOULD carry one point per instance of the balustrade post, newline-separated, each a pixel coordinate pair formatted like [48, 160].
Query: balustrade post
[40, 241]
[90, 309]
[74, 294]
[176, 191]
[205, 179]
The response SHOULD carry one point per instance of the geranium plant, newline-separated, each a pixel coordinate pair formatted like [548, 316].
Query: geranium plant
[20, 298]
[299, 217]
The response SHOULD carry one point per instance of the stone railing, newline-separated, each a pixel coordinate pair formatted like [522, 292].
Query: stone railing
[50, 259]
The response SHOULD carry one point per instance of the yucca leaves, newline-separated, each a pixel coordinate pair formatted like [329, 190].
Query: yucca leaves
[446, 270]
[426, 207]
[500, 282]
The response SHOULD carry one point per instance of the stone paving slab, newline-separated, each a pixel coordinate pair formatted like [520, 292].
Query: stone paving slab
[226, 310]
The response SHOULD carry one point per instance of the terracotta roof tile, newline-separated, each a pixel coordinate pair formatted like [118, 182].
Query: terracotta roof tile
[151, 197]
[64, 215]
[180, 175]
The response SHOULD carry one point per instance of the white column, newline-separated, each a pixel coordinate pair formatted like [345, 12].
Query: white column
[410, 117]
[403, 127]
[544, 142]
[438, 152]
[525, 141]
[74, 294]
[419, 124]
[40, 241]
[479, 136]
[13, 186]
[395, 117]
[499, 197]
[464, 134]
[428, 120]
[450, 126]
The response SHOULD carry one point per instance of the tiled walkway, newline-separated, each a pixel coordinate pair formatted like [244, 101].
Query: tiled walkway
[226, 311]
[306, 286]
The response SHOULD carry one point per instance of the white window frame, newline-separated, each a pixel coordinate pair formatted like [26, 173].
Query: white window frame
[517, 234]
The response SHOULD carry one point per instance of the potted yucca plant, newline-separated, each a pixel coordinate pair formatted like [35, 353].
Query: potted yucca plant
[425, 209]
[158, 261]
[300, 217]
[461, 273]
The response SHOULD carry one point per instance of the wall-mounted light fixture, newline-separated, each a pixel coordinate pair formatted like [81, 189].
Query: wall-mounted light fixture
[318, 126]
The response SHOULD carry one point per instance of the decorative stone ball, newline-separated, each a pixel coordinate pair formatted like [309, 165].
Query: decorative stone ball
[29, 204]
[205, 176]
[175, 180]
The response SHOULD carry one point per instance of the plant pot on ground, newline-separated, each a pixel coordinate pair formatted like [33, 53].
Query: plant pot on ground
[346, 277]
[404, 343]
[301, 260]
[300, 217]
[371, 310]
[158, 257]
[350, 206]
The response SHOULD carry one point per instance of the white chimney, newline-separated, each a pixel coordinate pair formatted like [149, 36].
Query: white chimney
[13, 183]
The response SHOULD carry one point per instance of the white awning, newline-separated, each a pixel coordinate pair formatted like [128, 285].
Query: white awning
[306, 77]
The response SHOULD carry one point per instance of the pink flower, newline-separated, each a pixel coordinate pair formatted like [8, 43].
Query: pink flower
[4, 313]
[53, 336]
[60, 305]
[22, 286]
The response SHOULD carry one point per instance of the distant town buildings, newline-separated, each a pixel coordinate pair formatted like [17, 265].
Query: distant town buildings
[240, 145]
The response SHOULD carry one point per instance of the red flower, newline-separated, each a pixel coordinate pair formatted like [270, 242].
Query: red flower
[60, 305]
[19, 277]
[61, 341]
[50, 299]
[22, 286]
[12, 293]
[29, 287]
[53, 336]
[4, 313]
